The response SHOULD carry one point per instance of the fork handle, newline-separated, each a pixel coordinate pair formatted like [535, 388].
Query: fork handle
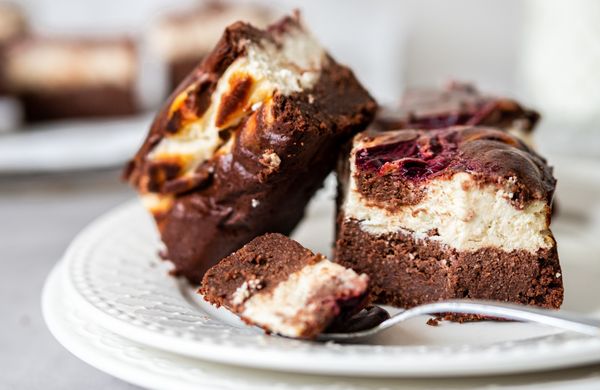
[563, 320]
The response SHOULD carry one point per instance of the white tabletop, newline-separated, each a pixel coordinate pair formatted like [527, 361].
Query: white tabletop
[39, 216]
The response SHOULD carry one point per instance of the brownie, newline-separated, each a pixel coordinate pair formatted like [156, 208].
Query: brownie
[182, 38]
[277, 284]
[86, 102]
[73, 77]
[459, 212]
[406, 272]
[458, 104]
[216, 175]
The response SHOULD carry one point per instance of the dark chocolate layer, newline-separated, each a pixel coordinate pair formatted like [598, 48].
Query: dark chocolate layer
[263, 264]
[394, 167]
[85, 102]
[269, 259]
[406, 272]
[246, 192]
[456, 104]
[179, 69]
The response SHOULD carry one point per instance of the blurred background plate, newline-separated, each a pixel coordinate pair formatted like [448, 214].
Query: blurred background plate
[72, 145]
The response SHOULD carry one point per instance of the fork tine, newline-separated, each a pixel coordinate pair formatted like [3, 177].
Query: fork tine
[563, 320]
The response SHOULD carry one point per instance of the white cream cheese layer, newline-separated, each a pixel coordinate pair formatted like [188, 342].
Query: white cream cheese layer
[466, 215]
[296, 303]
[197, 32]
[59, 65]
[292, 67]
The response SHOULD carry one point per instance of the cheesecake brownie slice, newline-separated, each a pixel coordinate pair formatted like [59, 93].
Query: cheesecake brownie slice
[242, 145]
[59, 78]
[462, 212]
[183, 38]
[277, 284]
[458, 104]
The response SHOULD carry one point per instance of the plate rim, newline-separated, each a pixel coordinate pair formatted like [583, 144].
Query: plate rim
[82, 128]
[145, 368]
[578, 349]
[53, 293]
[49, 295]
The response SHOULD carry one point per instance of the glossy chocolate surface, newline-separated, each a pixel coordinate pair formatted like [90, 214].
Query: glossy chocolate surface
[456, 104]
[277, 156]
[413, 157]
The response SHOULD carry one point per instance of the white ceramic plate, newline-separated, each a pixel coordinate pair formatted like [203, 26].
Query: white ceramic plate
[113, 271]
[156, 369]
[72, 145]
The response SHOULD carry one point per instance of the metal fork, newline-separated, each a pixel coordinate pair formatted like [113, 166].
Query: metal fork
[562, 320]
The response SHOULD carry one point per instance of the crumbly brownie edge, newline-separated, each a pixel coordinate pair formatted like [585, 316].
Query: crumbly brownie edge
[406, 272]
[268, 260]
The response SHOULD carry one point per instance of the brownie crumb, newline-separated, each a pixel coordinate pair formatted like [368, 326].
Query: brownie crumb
[433, 321]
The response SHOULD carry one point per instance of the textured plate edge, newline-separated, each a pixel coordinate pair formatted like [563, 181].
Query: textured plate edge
[53, 289]
[89, 355]
[272, 358]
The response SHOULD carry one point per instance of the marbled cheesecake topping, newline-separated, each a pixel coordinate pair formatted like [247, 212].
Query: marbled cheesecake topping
[240, 147]
[458, 104]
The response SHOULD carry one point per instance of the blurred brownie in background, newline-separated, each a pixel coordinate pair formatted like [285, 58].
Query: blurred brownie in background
[455, 104]
[73, 77]
[183, 38]
[13, 24]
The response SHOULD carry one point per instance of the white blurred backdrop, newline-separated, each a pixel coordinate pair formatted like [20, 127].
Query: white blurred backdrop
[545, 53]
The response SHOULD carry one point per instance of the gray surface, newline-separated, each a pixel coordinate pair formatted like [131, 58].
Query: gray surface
[38, 218]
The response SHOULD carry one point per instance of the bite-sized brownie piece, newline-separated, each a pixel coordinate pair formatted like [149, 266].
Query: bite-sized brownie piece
[241, 146]
[60, 78]
[277, 284]
[461, 212]
[183, 38]
[13, 25]
[458, 104]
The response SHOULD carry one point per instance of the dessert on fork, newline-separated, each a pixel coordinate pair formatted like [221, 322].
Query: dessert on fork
[277, 284]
